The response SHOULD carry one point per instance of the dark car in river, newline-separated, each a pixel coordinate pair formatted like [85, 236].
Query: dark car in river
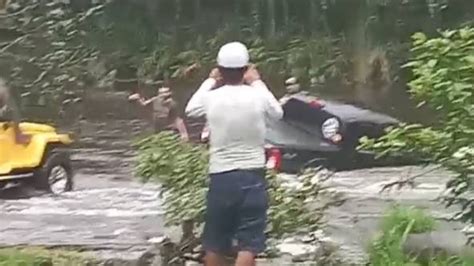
[317, 132]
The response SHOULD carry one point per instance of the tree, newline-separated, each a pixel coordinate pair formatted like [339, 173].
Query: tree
[47, 58]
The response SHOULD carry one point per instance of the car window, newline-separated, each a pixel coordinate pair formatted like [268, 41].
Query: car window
[283, 133]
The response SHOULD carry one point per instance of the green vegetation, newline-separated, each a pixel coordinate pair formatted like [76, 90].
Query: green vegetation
[400, 218]
[386, 250]
[54, 51]
[42, 53]
[443, 79]
[181, 169]
[397, 224]
[41, 257]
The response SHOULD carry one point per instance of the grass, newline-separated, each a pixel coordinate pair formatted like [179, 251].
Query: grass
[397, 224]
[400, 218]
[32, 256]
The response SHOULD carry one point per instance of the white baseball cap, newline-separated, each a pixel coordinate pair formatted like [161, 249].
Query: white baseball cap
[233, 55]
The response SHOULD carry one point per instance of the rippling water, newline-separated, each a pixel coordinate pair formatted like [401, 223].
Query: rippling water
[111, 212]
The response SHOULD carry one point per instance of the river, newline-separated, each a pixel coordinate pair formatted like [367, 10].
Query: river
[113, 215]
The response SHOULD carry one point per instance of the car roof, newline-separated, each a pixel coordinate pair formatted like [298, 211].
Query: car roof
[349, 113]
[287, 134]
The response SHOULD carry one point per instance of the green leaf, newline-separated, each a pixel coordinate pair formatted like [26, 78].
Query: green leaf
[432, 62]
[469, 59]
[419, 37]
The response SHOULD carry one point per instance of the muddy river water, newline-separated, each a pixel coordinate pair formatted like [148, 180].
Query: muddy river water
[114, 215]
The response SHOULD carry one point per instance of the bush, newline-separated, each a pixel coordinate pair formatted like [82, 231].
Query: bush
[443, 70]
[400, 217]
[397, 223]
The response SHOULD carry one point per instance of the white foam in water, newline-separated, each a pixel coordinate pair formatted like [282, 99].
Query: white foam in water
[89, 212]
[108, 202]
[157, 240]
[294, 248]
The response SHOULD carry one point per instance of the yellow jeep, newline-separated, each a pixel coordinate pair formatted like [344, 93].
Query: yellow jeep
[43, 162]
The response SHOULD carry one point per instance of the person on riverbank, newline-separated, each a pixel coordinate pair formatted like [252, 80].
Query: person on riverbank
[236, 112]
[165, 112]
[9, 113]
[293, 88]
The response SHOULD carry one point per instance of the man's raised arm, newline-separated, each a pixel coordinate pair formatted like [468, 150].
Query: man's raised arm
[272, 106]
[197, 103]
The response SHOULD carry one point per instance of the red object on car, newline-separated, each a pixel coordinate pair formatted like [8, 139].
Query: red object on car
[316, 103]
[274, 159]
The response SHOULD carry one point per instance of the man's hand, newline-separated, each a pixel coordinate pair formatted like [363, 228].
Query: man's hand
[185, 137]
[134, 97]
[284, 100]
[22, 139]
[251, 75]
[191, 69]
[216, 75]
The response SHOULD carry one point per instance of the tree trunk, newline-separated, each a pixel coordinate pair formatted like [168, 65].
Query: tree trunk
[197, 16]
[237, 18]
[271, 18]
[177, 21]
[313, 15]
[285, 14]
[256, 15]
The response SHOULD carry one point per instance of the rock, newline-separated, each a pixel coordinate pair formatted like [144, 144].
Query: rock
[316, 248]
[149, 257]
[118, 262]
[427, 245]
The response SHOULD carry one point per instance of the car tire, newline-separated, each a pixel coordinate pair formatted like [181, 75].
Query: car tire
[56, 163]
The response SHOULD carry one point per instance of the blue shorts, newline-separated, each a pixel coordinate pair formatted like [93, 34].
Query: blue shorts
[236, 212]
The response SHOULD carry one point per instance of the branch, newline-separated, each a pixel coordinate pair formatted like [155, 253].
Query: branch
[19, 12]
[40, 77]
[16, 41]
[409, 181]
[126, 80]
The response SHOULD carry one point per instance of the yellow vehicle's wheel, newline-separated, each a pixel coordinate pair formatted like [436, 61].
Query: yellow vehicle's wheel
[55, 175]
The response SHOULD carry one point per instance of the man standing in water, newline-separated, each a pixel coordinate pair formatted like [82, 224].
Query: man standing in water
[236, 113]
[165, 112]
[9, 113]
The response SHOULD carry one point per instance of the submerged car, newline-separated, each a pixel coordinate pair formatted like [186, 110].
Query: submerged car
[317, 132]
[43, 162]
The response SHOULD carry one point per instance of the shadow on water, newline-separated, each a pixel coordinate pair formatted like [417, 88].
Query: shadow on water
[19, 192]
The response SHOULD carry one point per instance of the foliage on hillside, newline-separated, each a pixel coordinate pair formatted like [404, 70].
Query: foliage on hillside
[44, 57]
[53, 48]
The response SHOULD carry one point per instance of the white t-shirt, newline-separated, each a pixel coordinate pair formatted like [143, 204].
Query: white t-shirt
[236, 116]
